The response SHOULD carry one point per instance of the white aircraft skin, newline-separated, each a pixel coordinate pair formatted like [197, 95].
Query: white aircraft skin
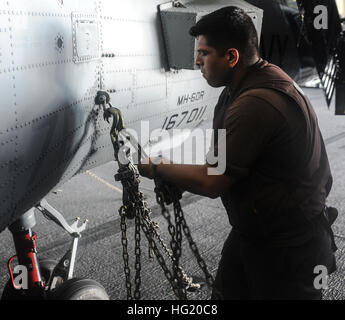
[54, 57]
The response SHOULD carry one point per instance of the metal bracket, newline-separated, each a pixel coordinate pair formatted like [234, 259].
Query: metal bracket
[178, 4]
[58, 218]
[65, 267]
[85, 37]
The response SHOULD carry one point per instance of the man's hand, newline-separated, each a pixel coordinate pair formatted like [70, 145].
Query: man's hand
[146, 167]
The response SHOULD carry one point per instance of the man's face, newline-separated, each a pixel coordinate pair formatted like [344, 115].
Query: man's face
[214, 68]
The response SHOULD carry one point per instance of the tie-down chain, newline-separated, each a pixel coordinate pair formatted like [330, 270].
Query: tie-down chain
[135, 207]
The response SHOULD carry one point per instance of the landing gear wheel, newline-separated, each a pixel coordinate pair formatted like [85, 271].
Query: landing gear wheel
[46, 269]
[79, 289]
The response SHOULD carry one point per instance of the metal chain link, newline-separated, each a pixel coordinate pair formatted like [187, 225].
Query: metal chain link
[137, 280]
[201, 262]
[175, 243]
[193, 246]
[147, 228]
[187, 280]
[179, 212]
[125, 256]
[178, 286]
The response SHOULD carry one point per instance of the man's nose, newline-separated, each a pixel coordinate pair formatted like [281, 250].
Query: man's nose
[198, 61]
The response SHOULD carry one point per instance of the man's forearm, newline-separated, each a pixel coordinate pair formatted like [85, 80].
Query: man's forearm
[194, 178]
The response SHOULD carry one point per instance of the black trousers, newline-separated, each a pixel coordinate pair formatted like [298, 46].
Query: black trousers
[249, 270]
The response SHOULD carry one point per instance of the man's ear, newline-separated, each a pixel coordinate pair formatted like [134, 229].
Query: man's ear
[233, 56]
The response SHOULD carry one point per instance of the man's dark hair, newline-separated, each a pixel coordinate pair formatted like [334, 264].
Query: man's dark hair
[229, 27]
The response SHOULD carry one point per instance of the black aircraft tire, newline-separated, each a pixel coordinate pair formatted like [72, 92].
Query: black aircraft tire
[79, 289]
[10, 293]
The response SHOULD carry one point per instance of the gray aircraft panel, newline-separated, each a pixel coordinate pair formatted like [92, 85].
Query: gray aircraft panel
[55, 166]
[124, 63]
[8, 141]
[122, 98]
[148, 94]
[8, 103]
[5, 37]
[144, 10]
[45, 99]
[56, 6]
[102, 149]
[7, 169]
[208, 6]
[42, 46]
[179, 84]
[37, 156]
[63, 131]
[150, 78]
[51, 98]
[71, 83]
[155, 118]
[77, 157]
[118, 80]
[135, 34]
[103, 153]
[3, 4]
